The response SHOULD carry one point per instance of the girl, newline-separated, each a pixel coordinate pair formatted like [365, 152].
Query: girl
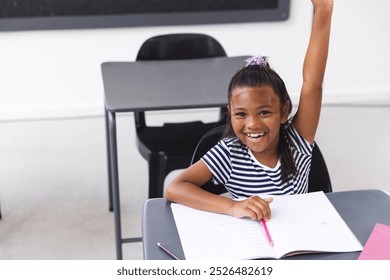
[265, 151]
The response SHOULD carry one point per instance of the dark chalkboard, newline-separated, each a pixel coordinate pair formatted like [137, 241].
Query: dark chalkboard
[60, 14]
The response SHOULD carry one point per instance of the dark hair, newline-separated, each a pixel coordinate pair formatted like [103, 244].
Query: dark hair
[255, 76]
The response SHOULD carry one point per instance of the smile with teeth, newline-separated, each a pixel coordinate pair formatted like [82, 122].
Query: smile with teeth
[255, 136]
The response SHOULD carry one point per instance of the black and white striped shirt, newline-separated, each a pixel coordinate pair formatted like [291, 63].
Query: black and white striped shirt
[233, 165]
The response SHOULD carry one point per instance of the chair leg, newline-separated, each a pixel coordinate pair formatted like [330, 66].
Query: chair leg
[156, 175]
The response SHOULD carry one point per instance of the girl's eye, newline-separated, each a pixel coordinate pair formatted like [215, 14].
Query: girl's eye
[264, 113]
[240, 114]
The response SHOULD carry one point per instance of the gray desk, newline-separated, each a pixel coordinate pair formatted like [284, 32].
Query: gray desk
[158, 85]
[360, 209]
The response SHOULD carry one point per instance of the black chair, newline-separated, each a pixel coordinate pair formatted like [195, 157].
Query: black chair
[170, 146]
[319, 179]
[209, 140]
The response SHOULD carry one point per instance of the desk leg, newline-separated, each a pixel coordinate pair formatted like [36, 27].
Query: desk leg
[110, 207]
[113, 165]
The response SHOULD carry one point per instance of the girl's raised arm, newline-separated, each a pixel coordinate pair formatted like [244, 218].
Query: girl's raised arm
[308, 114]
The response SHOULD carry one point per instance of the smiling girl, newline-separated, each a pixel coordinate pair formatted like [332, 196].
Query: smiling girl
[265, 151]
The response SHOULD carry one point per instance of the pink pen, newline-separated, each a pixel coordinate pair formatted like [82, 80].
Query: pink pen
[167, 251]
[267, 232]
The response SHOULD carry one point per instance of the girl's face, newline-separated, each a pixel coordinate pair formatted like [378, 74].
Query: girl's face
[256, 116]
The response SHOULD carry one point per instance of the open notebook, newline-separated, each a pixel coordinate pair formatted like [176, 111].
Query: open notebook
[300, 224]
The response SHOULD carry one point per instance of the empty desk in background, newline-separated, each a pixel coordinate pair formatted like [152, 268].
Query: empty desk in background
[159, 85]
[361, 210]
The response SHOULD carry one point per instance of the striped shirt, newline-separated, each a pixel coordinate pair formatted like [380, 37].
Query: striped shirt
[233, 165]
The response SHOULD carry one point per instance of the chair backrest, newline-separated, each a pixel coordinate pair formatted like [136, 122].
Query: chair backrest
[180, 46]
[207, 141]
[177, 46]
[319, 179]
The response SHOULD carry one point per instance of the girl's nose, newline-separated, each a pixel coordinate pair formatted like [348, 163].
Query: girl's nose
[253, 122]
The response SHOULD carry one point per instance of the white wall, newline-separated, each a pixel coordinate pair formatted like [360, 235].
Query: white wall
[46, 74]
[359, 61]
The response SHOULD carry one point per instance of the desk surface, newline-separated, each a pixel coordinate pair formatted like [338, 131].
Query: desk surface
[147, 85]
[360, 209]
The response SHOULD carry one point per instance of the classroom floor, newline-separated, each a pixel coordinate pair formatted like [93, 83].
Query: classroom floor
[53, 180]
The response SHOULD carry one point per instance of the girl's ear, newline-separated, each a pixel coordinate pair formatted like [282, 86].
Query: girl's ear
[285, 112]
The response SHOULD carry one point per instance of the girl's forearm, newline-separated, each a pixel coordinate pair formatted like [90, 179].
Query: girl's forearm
[193, 196]
[317, 53]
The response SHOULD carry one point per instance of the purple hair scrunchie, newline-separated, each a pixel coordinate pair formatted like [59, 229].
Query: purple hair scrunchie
[257, 60]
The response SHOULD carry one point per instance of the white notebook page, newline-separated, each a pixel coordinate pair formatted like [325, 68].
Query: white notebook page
[307, 222]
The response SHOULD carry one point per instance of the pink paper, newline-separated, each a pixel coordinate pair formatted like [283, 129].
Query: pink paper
[378, 244]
